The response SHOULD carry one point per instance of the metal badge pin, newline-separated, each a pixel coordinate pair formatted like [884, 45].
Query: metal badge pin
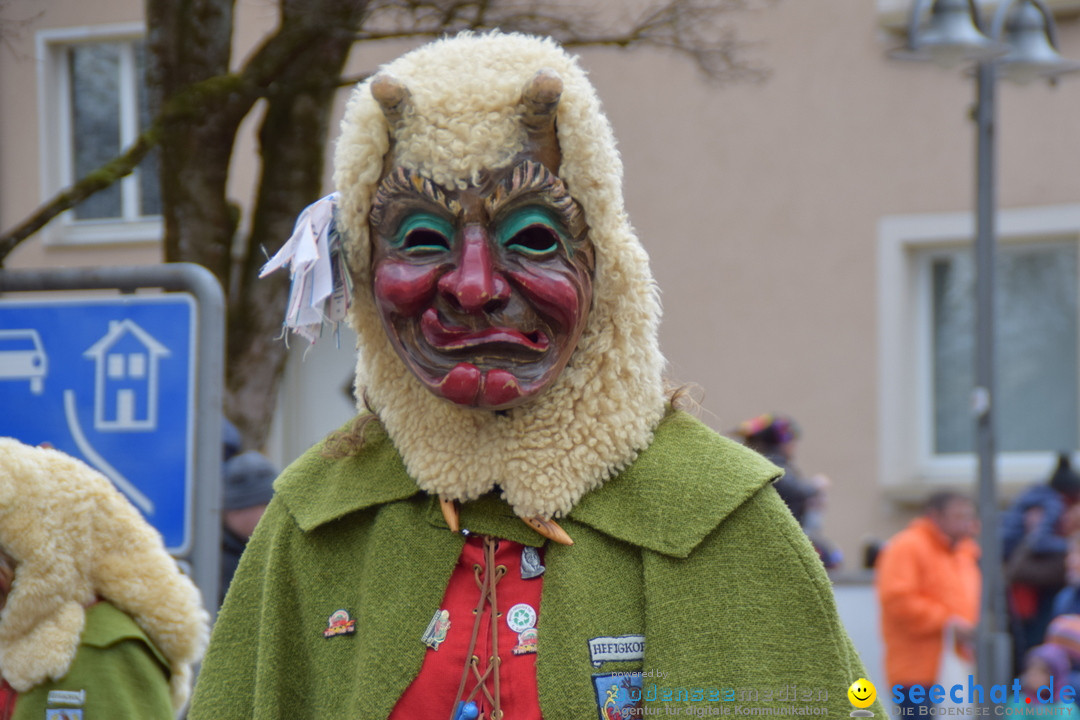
[530, 563]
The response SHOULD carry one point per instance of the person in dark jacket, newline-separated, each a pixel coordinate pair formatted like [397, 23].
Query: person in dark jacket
[775, 437]
[1034, 545]
[249, 484]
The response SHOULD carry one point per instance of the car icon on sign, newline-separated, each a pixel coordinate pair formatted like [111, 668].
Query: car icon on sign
[22, 357]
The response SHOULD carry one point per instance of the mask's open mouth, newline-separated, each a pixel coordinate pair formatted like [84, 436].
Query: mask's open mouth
[452, 339]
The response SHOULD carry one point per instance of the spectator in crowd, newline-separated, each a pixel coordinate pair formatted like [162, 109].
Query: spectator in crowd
[1034, 545]
[776, 437]
[927, 579]
[1044, 675]
[1064, 631]
[97, 621]
[249, 485]
[1067, 601]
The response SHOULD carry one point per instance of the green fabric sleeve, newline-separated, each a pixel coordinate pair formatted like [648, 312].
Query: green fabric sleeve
[116, 667]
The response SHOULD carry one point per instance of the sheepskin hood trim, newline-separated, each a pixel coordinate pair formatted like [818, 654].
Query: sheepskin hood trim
[75, 538]
[464, 116]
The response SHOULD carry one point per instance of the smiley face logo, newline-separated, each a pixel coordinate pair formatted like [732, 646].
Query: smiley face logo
[862, 693]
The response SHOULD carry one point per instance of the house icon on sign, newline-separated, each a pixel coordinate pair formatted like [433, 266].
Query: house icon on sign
[126, 378]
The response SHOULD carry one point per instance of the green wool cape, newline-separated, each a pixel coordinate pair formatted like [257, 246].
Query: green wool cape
[689, 546]
[117, 674]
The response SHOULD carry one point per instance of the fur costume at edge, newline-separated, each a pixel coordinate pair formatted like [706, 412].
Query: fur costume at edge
[86, 565]
[507, 323]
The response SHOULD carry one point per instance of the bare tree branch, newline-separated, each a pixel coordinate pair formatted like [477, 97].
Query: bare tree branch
[691, 28]
[184, 105]
[101, 178]
[11, 29]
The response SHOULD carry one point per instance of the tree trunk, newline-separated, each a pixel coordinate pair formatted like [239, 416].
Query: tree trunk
[292, 146]
[189, 42]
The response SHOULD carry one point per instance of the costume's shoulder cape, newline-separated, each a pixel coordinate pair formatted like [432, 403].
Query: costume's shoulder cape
[676, 492]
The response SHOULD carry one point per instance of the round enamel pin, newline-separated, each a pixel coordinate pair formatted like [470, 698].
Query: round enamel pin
[521, 617]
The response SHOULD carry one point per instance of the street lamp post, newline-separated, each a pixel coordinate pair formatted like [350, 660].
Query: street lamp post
[1021, 46]
[992, 642]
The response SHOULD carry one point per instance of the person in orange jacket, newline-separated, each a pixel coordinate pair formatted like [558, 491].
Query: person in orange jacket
[927, 580]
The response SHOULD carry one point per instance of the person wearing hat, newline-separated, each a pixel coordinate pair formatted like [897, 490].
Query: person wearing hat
[1045, 674]
[249, 484]
[98, 621]
[1035, 545]
[1064, 632]
[775, 436]
[522, 525]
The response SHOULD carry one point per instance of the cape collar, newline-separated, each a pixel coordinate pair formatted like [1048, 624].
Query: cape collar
[677, 491]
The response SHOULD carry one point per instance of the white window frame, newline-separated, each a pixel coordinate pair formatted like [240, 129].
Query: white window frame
[54, 109]
[905, 412]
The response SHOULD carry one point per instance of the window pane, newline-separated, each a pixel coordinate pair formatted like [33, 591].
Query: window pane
[149, 182]
[137, 365]
[1035, 348]
[953, 344]
[115, 366]
[95, 102]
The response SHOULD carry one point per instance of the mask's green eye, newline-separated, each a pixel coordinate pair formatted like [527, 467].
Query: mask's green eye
[423, 234]
[530, 231]
[535, 240]
[423, 240]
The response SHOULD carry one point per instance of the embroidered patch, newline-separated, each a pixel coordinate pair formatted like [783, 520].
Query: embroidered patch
[624, 648]
[64, 714]
[437, 629]
[339, 624]
[530, 563]
[618, 695]
[66, 697]
[526, 643]
[521, 617]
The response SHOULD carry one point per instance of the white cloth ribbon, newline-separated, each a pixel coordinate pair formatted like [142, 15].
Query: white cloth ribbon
[321, 288]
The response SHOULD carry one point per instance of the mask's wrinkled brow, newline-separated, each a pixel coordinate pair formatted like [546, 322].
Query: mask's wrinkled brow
[405, 184]
[532, 178]
[529, 179]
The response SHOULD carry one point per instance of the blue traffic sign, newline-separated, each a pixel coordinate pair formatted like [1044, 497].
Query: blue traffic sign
[110, 380]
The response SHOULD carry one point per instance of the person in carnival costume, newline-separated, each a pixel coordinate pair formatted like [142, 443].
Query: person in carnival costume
[98, 622]
[519, 524]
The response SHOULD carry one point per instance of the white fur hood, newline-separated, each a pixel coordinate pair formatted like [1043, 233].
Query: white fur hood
[75, 538]
[465, 95]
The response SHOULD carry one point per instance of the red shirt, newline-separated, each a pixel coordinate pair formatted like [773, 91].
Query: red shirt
[433, 691]
[7, 700]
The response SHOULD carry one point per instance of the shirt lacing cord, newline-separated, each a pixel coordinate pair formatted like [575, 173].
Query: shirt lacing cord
[487, 579]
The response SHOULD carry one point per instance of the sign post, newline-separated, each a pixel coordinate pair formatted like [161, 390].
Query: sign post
[129, 383]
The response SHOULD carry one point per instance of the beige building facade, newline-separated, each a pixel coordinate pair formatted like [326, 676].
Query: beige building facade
[810, 235]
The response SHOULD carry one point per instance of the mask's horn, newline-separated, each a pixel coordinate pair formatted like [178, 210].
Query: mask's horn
[392, 96]
[541, 100]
